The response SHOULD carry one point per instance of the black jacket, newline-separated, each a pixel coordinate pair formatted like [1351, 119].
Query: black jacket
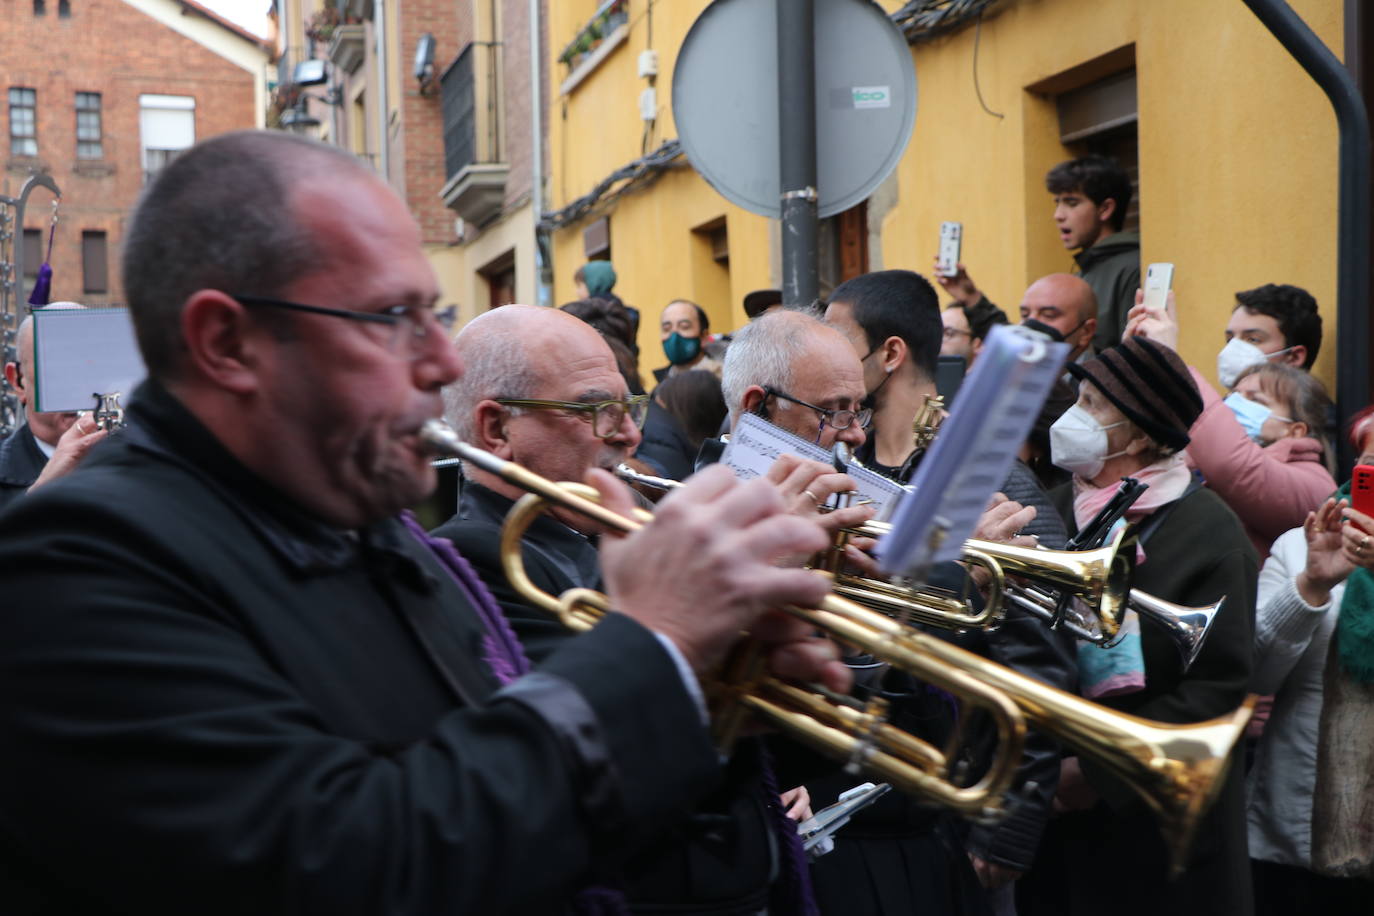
[1198, 553]
[214, 704]
[21, 461]
[717, 861]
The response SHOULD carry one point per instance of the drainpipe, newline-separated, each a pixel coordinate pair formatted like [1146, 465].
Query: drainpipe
[1352, 266]
[383, 103]
[542, 293]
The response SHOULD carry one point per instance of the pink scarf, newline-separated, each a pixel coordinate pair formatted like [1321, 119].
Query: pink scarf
[1167, 479]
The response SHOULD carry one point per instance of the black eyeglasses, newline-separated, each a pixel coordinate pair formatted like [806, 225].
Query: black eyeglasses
[606, 416]
[835, 419]
[411, 325]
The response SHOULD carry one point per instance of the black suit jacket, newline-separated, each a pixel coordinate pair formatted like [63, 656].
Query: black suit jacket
[719, 859]
[21, 461]
[215, 704]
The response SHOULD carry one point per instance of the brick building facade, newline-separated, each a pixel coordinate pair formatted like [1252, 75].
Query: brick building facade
[145, 74]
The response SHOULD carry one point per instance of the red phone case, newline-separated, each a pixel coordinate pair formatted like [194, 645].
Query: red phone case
[1362, 489]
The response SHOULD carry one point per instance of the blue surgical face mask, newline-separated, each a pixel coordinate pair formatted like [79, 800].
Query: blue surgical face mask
[1251, 415]
[681, 349]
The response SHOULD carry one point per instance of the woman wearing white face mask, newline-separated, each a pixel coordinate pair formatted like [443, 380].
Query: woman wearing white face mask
[1136, 404]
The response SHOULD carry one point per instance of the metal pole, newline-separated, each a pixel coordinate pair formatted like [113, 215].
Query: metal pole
[797, 148]
[1352, 241]
[383, 103]
[542, 271]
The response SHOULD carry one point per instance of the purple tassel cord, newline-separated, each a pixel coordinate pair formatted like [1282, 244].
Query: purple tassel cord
[42, 286]
[506, 658]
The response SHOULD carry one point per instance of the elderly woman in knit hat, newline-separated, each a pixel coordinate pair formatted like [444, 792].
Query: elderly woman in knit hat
[1103, 852]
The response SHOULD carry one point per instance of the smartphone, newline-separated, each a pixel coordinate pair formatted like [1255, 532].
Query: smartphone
[949, 375]
[1158, 279]
[951, 238]
[1362, 489]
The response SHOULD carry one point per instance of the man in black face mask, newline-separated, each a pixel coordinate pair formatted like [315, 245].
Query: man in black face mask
[1064, 307]
[892, 320]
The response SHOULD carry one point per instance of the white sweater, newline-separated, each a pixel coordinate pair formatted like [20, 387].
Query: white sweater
[1291, 640]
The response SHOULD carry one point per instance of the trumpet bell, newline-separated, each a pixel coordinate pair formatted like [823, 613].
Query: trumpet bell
[1186, 627]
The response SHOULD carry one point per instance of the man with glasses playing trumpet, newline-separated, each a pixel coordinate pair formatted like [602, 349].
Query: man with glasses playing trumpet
[237, 682]
[541, 389]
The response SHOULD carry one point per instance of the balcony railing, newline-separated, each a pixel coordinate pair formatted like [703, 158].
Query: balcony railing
[470, 100]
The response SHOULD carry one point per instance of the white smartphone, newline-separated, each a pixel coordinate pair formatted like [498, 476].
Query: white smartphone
[951, 237]
[1158, 278]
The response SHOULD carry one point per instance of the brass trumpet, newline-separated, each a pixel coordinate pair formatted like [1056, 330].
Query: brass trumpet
[1176, 769]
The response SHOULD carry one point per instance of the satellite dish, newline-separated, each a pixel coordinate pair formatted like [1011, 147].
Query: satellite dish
[725, 101]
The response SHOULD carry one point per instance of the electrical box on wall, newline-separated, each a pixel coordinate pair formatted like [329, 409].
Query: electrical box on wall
[648, 62]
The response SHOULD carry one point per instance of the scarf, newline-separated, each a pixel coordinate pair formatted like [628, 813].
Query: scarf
[1355, 625]
[1166, 478]
[1105, 671]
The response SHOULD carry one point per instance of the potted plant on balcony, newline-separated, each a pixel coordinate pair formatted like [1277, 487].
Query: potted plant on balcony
[321, 24]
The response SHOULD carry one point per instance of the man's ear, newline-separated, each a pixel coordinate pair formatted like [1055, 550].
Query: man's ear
[753, 399]
[1296, 356]
[12, 375]
[490, 425]
[1106, 209]
[894, 353]
[1089, 329]
[223, 341]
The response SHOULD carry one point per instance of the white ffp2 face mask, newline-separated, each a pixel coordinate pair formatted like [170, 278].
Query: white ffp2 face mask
[1239, 355]
[1078, 443]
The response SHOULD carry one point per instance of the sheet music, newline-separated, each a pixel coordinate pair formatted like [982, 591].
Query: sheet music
[998, 404]
[755, 444]
[79, 353]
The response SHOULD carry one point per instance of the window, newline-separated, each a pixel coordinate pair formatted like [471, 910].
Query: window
[40, 8]
[33, 254]
[23, 122]
[95, 275]
[64, 9]
[167, 125]
[88, 144]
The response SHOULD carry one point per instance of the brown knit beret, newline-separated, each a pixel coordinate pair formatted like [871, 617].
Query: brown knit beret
[1148, 383]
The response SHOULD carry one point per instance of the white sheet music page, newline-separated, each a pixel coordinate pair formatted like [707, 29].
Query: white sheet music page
[80, 353]
[755, 444]
[997, 405]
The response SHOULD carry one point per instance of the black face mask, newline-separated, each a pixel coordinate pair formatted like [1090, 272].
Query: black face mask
[1052, 333]
[870, 400]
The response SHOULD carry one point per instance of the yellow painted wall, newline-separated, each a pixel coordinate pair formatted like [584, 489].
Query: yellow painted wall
[1238, 159]
[1238, 152]
[457, 266]
[594, 130]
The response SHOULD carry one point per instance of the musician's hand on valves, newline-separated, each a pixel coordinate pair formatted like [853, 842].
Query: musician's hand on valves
[797, 802]
[806, 486]
[706, 569]
[71, 449]
[1001, 521]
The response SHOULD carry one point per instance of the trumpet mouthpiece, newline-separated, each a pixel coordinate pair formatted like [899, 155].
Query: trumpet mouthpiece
[440, 438]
